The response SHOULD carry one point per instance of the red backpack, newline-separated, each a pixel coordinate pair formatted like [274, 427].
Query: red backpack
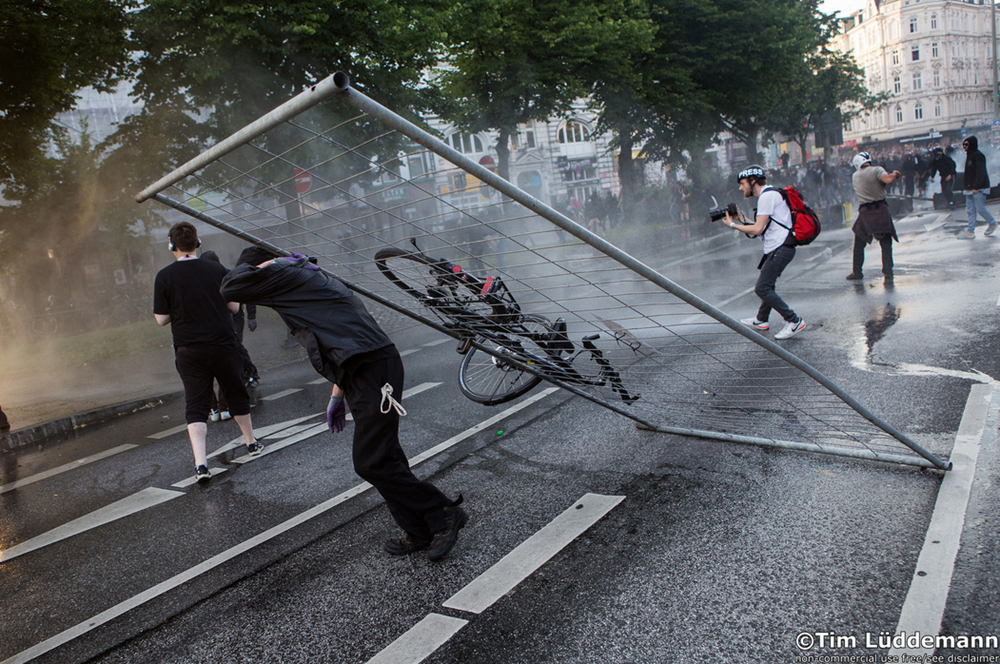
[805, 222]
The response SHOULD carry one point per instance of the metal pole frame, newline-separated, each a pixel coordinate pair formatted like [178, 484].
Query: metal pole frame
[339, 83]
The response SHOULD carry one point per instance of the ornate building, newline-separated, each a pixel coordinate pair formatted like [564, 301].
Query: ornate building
[934, 59]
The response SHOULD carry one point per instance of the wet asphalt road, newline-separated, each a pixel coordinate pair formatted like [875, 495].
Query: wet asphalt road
[718, 552]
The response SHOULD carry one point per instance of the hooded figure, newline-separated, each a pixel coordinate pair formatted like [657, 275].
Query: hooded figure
[348, 348]
[976, 183]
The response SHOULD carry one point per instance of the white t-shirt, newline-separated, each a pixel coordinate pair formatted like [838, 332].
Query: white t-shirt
[772, 204]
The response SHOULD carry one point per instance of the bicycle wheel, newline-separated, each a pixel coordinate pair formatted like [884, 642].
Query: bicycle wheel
[428, 283]
[490, 380]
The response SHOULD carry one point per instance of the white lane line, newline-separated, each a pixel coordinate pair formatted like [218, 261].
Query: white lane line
[38, 477]
[166, 586]
[404, 353]
[454, 440]
[188, 481]
[998, 302]
[925, 602]
[534, 552]
[420, 640]
[116, 510]
[168, 432]
[437, 343]
[279, 395]
[318, 381]
[290, 431]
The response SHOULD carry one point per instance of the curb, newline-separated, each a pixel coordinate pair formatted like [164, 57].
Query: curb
[40, 432]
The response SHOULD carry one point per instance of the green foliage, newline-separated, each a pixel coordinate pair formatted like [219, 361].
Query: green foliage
[49, 50]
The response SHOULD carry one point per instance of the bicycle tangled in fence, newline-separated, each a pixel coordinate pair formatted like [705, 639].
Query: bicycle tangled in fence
[539, 298]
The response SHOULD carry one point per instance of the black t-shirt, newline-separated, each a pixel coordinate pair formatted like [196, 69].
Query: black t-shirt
[188, 291]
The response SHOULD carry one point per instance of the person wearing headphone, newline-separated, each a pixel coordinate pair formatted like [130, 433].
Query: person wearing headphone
[186, 295]
[874, 220]
[779, 248]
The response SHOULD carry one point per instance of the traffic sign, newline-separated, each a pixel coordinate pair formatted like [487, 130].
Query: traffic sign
[303, 181]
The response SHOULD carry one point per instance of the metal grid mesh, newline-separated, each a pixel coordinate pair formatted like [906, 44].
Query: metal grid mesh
[373, 188]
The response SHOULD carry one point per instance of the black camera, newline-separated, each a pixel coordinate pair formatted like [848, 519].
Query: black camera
[718, 213]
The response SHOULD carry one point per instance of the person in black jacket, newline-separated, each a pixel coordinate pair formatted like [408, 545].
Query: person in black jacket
[4, 423]
[976, 183]
[346, 346]
[944, 166]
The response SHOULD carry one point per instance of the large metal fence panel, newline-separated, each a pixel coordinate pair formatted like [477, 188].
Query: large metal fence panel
[330, 175]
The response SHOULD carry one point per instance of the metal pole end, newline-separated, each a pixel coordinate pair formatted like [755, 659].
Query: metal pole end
[341, 80]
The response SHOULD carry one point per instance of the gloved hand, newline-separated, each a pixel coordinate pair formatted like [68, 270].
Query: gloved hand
[336, 414]
[305, 261]
[252, 324]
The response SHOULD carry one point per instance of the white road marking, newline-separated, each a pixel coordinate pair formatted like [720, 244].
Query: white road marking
[438, 342]
[404, 353]
[318, 381]
[925, 602]
[534, 552]
[166, 586]
[38, 477]
[279, 395]
[420, 640]
[117, 510]
[188, 481]
[168, 432]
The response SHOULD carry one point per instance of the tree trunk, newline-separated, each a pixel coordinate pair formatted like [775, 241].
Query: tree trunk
[626, 173]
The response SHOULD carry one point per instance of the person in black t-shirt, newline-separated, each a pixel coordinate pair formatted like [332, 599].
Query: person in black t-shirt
[186, 295]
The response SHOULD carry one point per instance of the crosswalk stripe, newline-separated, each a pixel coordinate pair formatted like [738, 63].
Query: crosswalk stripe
[420, 640]
[193, 479]
[64, 468]
[168, 432]
[116, 510]
[283, 393]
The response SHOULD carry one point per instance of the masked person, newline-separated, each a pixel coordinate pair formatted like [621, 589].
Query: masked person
[945, 167]
[779, 249]
[874, 220]
[976, 183]
[186, 296]
[347, 346]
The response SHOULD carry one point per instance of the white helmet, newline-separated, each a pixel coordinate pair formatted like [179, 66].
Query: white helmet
[860, 159]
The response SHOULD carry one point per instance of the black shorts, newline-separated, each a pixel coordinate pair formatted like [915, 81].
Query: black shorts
[201, 364]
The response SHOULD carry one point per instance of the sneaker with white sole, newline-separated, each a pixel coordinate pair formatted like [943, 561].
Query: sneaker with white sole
[967, 236]
[791, 329]
[224, 415]
[255, 448]
[753, 322]
[213, 415]
[202, 473]
[989, 229]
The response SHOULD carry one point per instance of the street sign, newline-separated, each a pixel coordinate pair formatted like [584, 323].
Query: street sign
[303, 181]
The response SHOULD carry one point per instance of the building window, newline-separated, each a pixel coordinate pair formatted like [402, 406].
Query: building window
[934, 50]
[897, 85]
[899, 113]
[917, 81]
[466, 143]
[937, 79]
[918, 112]
[933, 21]
[915, 53]
[573, 132]
[895, 57]
[937, 109]
[913, 24]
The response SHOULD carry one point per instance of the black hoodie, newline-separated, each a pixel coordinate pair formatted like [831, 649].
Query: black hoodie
[975, 176]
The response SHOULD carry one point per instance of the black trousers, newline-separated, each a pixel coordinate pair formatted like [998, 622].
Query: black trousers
[859, 254]
[201, 364]
[416, 505]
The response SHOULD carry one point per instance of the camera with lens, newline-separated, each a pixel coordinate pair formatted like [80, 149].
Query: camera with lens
[718, 213]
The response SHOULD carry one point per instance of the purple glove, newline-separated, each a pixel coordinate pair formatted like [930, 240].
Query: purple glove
[336, 415]
[304, 261]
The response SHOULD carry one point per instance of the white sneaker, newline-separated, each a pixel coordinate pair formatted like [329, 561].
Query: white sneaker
[791, 329]
[213, 415]
[224, 415]
[753, 322]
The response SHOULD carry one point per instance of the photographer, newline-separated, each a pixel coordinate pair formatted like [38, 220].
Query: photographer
[779, 248]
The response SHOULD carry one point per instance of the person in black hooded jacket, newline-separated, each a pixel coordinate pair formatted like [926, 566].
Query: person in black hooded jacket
[976, 182]
[348, 348]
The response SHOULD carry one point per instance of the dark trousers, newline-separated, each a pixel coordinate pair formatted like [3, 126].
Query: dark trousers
[859, 254]
[416, 505]
[946, 189]
[772, 268]
[199, 365]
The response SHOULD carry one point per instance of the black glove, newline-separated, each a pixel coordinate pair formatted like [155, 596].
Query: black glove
[252, 324]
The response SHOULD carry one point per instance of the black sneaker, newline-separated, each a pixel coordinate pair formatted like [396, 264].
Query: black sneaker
[404, 546]
[855, 276]
[202, 473]
[255, 448]
[455, 519]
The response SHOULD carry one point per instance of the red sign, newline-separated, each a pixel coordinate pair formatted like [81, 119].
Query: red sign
[303, 181]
